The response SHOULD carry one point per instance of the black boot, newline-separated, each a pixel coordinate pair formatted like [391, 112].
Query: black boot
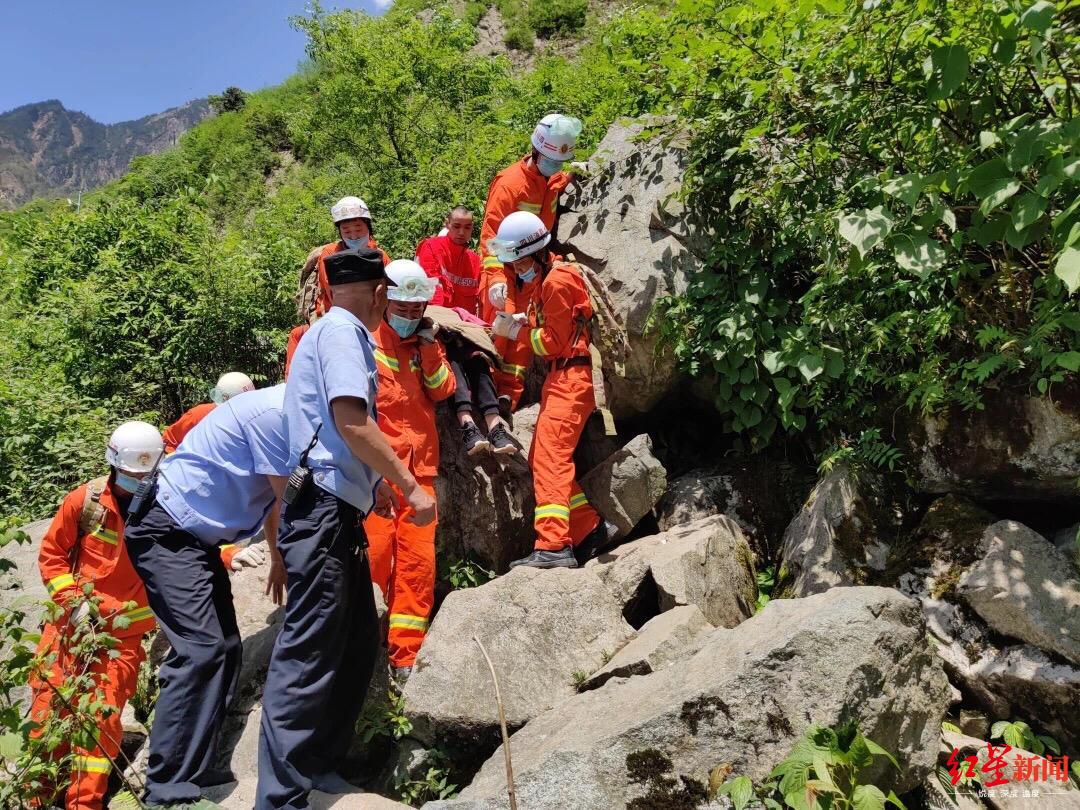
[595, 542]
[563, 558]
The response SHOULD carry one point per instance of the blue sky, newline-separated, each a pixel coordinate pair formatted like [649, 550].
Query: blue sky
[121, 59]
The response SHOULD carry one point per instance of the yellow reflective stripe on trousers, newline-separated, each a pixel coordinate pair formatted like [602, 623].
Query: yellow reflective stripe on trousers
[492, 262]
[139, 614]
[105, 535]
[404, 620]
[438, 378]
[91, 764]
[537, 342]
[578, 501]
[388, 361]
[532, 208]
[59, 583]
[512, 370]
[555, 511]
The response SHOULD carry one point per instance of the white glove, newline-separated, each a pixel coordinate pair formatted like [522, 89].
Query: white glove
[428, 330]
[497, 294]
[81, 614]
[250, 557]
[508, 326]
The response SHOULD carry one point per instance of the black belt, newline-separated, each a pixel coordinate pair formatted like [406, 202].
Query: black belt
[566, 362]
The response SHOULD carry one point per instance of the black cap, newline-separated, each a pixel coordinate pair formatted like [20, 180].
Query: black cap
[348, 266]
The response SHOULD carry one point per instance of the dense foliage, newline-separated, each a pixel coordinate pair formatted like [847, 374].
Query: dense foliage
[893, 193]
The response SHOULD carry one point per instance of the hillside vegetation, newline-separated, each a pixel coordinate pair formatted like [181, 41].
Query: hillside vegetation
[890, 190]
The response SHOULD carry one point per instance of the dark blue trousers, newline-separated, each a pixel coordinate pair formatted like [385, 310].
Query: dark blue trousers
[188, 589]
[324, 655]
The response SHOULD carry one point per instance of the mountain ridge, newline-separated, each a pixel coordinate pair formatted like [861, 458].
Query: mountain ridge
[48, 150]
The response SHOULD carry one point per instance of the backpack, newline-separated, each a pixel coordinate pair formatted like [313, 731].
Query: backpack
[607, 338]
[91, 515]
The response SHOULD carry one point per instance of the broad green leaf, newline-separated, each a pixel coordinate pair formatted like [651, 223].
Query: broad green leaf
[949, 218]
[917, 254]
[1038, 16]
[1071, 362]
[1027, 209]
[999, 192]
[11, 746]
[1049, 742]
[982, 180]
[866, 228]
[772, 362]
[879, 751]
[1014, 736]
[742, 791]
[868, 797]
[988, 139]
[810, 365]
[834, 364]
[894, 800]
[951, 727]
[905, 188]
[945, 69]
[1068, 268]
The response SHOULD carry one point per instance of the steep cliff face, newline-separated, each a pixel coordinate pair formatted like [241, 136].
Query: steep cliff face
[48, 150]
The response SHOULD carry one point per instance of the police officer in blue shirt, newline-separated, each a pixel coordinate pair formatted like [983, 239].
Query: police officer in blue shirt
[325, 653]
[217, 487]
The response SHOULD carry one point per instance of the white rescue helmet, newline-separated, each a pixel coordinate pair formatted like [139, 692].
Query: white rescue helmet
[229, 385]
[408, 282]
[134, 447]
[556, 135]
[349, 208]
[520, 234]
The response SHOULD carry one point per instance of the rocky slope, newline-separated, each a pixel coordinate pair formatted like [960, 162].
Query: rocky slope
[47, 150]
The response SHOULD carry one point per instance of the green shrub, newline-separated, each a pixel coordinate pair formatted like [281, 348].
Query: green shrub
[550, 17]
[520, 37]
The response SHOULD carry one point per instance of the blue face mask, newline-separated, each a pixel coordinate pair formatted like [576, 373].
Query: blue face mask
[403, 326]
[353, 244]
[528, 275]
[128, 483]
[547, 167]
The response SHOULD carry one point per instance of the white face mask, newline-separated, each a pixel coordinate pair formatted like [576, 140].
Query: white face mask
[547, 167]
[128, 483]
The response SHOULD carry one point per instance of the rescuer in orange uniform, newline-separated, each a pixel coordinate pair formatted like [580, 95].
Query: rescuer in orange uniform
[556, 329]
[353, 220]
[456, 269]
[414, 374]
[228, 385]
[85, 545]
[533, 184]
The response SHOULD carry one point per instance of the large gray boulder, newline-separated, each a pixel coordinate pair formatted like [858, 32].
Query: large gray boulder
[21, 587]
[707, 563]
[624, 224]
[544, 630]
[663, 640]
[834, 539]
[626, 486]
[1016, 447]
[743, 698]
[1024, 588]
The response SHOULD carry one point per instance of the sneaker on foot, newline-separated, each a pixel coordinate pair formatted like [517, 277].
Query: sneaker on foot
[501, 443]
[541, 558]
[595, 542]
[473, 439]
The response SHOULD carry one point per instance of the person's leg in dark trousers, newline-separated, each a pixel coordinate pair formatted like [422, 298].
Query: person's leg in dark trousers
[324, 655]
[188, 590]
[475, 385]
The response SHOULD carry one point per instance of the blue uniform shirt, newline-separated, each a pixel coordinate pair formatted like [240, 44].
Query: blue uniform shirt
[336, 358]
[214, 486]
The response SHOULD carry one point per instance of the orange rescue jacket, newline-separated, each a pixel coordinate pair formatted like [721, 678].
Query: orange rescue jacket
[413, 376]
[559, 316]
[175, 433]
[69, 559]
[323, 304]
[518, 187]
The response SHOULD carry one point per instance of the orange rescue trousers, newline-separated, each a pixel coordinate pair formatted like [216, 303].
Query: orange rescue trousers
[563, 515]
[117, 679]
[402, 557]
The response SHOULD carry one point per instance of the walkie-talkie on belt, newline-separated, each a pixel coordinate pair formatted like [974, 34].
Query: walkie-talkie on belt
[300, 478]
[144, 493]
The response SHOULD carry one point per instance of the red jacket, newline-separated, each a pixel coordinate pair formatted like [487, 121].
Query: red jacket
[457, 268]
[294, 341]
[413, 376]
[69, 559]
[518, 187]
[175, 433]
[323, 303]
